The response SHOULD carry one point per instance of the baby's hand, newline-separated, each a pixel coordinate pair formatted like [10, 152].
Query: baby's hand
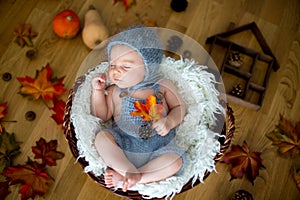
[99, 82]
[161, 126]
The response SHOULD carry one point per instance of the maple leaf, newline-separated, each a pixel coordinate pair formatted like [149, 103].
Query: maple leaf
[243, 162]
[9, 148]
[43, 85]
[47, 152]
[127, 3]
[24, 35]
[150, 111]
[3, 113]
[33, 176]
[58, 108]
[286, 136]
[3, 110]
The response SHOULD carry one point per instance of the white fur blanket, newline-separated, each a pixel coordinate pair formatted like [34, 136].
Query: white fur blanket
[197, 88]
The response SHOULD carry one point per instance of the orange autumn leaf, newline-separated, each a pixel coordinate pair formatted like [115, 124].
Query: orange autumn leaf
[34, 179]
[43, 85]
[150, 111]
[286, 136]
[243, 162]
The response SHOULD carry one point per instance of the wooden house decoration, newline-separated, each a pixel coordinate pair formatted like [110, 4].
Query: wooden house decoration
[245, 71]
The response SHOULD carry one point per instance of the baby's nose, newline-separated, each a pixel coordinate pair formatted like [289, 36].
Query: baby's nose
[117, 70]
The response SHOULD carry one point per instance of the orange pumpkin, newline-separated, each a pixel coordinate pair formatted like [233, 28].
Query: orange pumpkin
[66, 24]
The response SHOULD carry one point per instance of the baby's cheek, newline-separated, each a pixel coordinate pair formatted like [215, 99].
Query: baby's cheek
[110, 75]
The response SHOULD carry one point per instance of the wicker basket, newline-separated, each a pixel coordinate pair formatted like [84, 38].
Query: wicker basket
[70, 135]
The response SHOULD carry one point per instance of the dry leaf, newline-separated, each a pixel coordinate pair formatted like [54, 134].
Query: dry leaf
[24, 35]
[47, 152]
[286, 136]
[8, 149]
[150, 111]
[33, 176]
[243, 162]
[43, 85]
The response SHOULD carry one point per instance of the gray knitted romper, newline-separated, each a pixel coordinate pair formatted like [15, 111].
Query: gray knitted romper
[140, 151]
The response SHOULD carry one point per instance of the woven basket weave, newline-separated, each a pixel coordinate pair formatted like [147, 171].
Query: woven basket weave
[70, 135]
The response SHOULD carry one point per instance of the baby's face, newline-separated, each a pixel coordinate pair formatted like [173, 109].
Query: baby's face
[126, 66]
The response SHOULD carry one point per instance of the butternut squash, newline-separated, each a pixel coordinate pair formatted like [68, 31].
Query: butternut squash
[94, 30]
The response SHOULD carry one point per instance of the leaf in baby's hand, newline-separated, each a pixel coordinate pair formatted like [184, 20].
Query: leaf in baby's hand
[43, 85]
[286, 136]
[150, 111]
[155, 112]
[47, 152]
[243, 162]
[33, 176]
[141, 111]
[58, 108]
[9, 148]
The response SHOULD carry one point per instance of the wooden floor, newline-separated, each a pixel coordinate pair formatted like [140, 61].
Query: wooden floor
[279, 21]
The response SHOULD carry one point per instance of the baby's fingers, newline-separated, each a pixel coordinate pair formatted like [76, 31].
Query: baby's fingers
[99, 82]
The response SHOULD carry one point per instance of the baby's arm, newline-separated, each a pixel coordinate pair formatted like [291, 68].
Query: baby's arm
[101, 103]
[177, 109]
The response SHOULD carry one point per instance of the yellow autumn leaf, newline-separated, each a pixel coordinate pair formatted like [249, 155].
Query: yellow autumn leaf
[150, 111]
[42, 86]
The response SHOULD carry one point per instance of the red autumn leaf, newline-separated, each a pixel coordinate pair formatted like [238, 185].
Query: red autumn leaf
[243, 162]
[47, 152]
[33, 176]
[150, 111]
[3, 113]
[286, 136]
[4, 189]
[43, 85]
[127, 3]
[3, 110]
[58, 108]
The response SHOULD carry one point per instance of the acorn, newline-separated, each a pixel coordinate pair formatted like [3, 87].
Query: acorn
[179, 5]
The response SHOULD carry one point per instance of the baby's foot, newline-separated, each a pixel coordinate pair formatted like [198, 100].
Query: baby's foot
[130, 180]
[112, 178]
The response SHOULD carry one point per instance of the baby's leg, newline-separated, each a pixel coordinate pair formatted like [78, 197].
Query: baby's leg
[115, 158]
[161, 168]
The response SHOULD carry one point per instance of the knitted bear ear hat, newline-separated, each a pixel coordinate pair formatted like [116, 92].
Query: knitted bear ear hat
[145, 41]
